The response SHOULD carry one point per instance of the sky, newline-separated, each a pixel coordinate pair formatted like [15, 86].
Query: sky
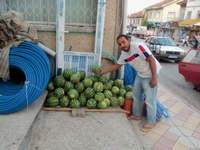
[138, 5]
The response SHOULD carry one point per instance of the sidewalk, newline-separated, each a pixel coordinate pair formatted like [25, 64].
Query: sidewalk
[32, 128]
[179, 132]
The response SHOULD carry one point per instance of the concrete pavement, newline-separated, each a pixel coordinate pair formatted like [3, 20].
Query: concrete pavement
[48, 130]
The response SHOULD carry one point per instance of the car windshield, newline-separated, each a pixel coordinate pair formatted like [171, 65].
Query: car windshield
[165, 41]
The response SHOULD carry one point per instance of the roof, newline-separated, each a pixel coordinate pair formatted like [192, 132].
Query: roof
[189, 22]
[160, 4]
[137, 14]
[183, 2]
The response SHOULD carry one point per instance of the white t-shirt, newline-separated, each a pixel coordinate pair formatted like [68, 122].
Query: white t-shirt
[136, 57]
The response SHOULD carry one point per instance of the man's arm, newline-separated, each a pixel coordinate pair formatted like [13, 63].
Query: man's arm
[152, 64]
[110, 69]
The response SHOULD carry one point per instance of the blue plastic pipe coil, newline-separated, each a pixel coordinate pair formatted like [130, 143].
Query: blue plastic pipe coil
[34, 63]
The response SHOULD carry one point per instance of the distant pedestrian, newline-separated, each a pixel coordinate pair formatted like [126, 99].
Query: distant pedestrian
[161, 33]
[186, 40]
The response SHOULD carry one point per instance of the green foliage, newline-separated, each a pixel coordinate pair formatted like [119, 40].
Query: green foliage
[145, 20]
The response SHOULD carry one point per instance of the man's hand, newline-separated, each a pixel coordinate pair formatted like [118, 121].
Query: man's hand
[101, 72]
[153, 82]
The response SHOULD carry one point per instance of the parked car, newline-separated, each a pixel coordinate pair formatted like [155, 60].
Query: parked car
[164, 47]
[189, 67]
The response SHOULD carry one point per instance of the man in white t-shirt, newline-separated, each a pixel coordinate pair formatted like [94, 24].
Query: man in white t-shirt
[141, 59]
[186, 40]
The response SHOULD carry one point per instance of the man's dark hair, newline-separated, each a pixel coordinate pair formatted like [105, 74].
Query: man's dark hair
[122, 35]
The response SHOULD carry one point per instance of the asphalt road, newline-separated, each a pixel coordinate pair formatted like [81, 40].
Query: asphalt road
[170, 77]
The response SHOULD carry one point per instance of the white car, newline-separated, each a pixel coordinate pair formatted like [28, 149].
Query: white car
[164, 47]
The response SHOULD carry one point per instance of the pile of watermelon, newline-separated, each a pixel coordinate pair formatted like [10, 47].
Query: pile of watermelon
[74, 90]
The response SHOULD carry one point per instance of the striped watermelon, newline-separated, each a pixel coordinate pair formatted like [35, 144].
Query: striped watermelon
[67, 73]
[52, 102]
[104, 78]
[120, 101]
[99, 96]
[50, 94]
[128, 88]
[74, 103]
[59, 81]
[82, 74]
[108, 94]
[102, 105]
[73, 94]
[82, 100]
[50, 86]
[59, 92]
[64, 101]
[107, 101]
[96, 68]
[68, 86]
[129, 95]
[91, 103]
[122, 92]
[107, 86]
[75, 78]
[87, 82]
[98, 87]
[115, 90]
[89, 92]
[79, 87]
[118, 83]
[94, 78]
[114, 102]
[111, 82]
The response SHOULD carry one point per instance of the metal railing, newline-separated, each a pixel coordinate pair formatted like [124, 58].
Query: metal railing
[80, 15]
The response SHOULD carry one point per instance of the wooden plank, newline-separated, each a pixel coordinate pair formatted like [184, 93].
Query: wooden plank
[86, 110]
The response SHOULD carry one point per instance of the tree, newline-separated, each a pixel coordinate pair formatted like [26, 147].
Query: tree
[145, 21]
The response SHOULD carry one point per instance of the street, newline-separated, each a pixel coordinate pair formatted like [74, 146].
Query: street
[170, 77]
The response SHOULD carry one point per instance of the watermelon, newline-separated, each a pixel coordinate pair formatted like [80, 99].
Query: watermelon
[111, 82]
[89, 92]
[73, 94]
[120, 101]
[59, 81]
[118, 83]
[64, 101]
[115, 90]
[59, 92]
[79, 87]
[107, 101]
[128, 88]
[129, 95]
[107, 86]
[114, 102]
[68, 86]
[50, 86]
[122, 92]
[50, 94]
[102, 105]
[96, 69]
[88, 82]
[91, 103]
[94, 78]
[82, 74]
[75, 78]
[108, 94]
[99, 96]
[67, 73]
[83, 94]
[82, 100]
[74, 103]
[104, 78]
[52, 102]
[98, 87]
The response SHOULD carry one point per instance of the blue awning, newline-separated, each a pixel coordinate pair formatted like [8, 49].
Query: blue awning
[150, 23]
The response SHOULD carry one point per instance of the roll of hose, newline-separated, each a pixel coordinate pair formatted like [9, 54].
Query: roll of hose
[34, 64]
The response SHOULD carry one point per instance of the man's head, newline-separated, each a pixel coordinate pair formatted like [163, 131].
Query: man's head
[123, 42]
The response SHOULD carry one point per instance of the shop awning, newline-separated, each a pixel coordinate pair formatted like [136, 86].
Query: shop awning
[197, 24]
[188, 22]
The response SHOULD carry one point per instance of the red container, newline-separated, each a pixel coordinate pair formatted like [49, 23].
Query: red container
[128, 106]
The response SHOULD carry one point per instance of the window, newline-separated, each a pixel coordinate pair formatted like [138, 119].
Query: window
[154, 15]
[78, 13]
[150, 15]
[158, 15]
[138, 21]
[189, 15]
[198, 15]
[170, 15]
[182, 14]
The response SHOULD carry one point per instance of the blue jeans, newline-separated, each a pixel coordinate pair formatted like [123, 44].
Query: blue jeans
[141, 85]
